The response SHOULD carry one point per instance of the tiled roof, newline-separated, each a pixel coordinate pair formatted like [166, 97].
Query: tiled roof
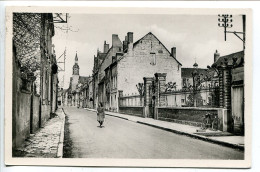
[235, 59]
[102, 55]
[187, 72]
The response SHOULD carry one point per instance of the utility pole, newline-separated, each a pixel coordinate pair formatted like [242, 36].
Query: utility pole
[244, 31]
[225, 21]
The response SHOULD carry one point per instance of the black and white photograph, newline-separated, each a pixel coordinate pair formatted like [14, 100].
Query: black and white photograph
[108, 86]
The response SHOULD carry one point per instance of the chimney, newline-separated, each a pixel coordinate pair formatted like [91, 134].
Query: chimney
[106, 47]
[130, 37]
[173, 52]
[114, 40]
[216, 56]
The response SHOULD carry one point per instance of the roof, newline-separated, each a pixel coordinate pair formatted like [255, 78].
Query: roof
[102, 80]
[111, 65]
[235, 59]
[150, 33]
[187, 72]
[102, 55]
[75, 65]
[83, 79]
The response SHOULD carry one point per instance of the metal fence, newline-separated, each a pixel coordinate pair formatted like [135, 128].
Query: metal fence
[205, 97]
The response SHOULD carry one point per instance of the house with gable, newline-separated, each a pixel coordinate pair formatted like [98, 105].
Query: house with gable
[101, 62]
[139, 59]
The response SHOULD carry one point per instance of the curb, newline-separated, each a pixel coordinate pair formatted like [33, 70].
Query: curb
[60, 145]
[196, 136]
[119, 117]
[235, 146]
[110, 114]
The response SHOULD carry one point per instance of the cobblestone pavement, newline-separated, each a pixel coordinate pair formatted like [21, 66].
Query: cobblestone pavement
[45, 142]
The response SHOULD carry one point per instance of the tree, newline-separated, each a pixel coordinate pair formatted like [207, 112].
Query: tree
[198, 79]
[170, 86]
[140, 88]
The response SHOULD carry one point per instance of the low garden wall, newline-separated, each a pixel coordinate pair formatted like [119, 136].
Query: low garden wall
[185, 115]
[131, 110]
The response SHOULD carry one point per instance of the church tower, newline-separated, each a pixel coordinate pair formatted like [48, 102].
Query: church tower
[75, 74]
[76, 66]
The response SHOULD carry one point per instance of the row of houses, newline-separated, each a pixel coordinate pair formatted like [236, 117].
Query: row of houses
[125, 75]
[35, 80]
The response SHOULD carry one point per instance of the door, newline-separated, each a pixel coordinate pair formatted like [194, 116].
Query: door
[238, 109]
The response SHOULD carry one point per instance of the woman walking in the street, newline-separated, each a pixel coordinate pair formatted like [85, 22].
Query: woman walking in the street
[100, 114]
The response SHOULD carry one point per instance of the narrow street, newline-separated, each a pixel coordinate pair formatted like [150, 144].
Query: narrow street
[125, 139]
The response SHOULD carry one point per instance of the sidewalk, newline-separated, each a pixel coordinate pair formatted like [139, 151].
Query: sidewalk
[224, 138]
[47, 142]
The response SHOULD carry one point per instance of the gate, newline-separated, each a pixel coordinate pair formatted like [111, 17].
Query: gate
[151, 100]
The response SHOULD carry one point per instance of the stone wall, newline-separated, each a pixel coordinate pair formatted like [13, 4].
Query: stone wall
[35, 113]
[138, 62]
[136, 111]
[45, 114]
[22, 125]
[184, 114]
[21, 106]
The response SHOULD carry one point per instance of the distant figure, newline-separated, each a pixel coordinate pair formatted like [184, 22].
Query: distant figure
[100, 114]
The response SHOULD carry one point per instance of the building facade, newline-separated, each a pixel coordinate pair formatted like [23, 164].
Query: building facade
[143, 58]
[35, 78]
[101, 62]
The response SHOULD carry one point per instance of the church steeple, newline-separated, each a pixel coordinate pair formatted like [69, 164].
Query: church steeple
[76, 58]
[76, 66]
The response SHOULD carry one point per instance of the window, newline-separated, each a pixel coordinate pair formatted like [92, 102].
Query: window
[182, 100]
[153, 59]
[184, 82]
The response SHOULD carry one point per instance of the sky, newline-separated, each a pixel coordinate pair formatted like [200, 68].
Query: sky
[196, 37]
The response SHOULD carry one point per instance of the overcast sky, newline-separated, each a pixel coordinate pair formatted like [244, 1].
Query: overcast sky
[195, 37]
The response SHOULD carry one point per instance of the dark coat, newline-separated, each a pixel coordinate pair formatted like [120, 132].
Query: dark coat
[100, 114]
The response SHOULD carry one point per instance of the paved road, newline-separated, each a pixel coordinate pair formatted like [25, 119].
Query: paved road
[125, 139]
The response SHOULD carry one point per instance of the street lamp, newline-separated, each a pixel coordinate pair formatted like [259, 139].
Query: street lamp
[225, 21]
